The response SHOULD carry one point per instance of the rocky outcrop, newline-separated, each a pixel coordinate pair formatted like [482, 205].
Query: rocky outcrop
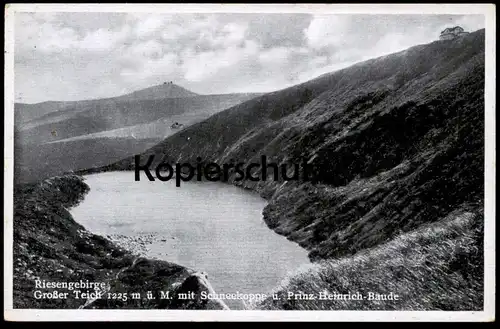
[155, 284]
[199, 287]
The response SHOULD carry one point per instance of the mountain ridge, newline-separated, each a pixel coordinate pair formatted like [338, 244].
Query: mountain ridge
[172, 86]
[111, 128]
[26, 112]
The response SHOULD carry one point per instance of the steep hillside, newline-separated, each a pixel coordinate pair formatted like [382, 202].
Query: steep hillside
[396, 142]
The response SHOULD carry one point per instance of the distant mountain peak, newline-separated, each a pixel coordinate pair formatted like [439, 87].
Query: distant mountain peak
[167, 89]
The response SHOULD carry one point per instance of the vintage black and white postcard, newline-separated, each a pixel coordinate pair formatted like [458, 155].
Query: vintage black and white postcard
[218, 162]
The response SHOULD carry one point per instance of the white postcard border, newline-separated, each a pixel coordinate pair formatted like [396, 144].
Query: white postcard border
[488, 314]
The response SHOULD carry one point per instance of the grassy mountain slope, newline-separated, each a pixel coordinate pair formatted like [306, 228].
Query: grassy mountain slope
[98, 132]
[396, 142]
[97, 116]
[27, 112]
[429, 268]
[160, 128]
[37, 162]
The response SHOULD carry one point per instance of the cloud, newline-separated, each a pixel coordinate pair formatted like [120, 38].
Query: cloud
[327, 31]
[200, 66]
[275, 56]
[271, 30]
[230, 34]
[71, 56]
[149, 25]
[102, 39]
[42, 35]
[147, 49]
[156, 70]
[471, 22]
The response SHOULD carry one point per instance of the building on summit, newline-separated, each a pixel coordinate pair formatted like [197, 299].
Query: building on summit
[451, 33]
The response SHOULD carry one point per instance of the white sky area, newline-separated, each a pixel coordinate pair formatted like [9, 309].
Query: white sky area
[75, 56]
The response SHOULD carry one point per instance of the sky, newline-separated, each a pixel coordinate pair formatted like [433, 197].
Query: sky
[76, 56]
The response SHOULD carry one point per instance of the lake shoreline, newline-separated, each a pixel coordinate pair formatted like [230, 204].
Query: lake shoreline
[50, 245]
[209, 226]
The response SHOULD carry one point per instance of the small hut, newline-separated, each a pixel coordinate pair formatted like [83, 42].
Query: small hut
[176, 125]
